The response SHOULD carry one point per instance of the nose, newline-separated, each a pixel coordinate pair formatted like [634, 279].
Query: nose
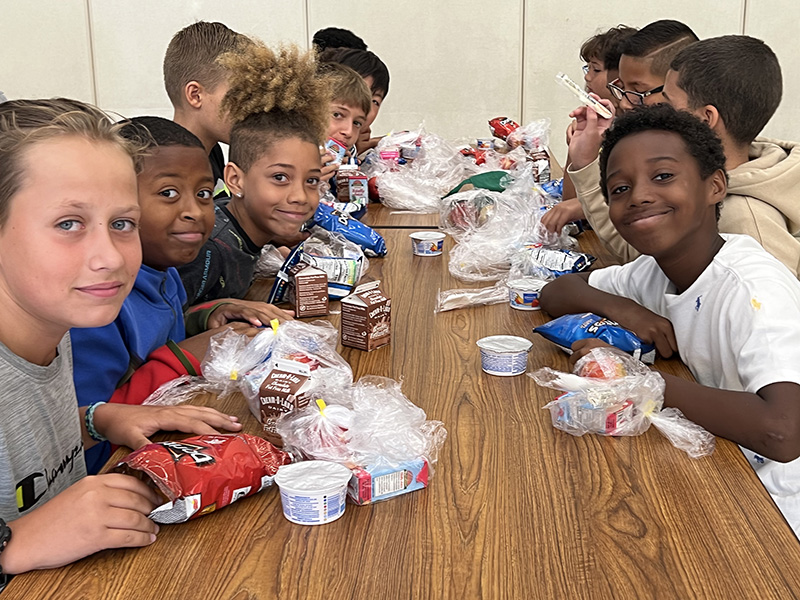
[105, 251]
[191, 209]
[625, 104]
[296, 193]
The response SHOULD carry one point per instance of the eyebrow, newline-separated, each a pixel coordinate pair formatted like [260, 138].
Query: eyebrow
[167, 175]
[649, 160]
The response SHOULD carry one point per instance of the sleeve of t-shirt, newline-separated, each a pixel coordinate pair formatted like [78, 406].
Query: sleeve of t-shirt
[764, 326]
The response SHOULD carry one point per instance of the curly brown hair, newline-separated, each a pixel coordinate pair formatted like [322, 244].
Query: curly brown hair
[273, 95]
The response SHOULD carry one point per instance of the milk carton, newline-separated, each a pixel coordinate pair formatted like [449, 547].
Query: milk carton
[366, 317]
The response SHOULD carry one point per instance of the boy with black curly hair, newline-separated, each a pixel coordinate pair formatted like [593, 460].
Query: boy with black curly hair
[279, 107]
[729, 308]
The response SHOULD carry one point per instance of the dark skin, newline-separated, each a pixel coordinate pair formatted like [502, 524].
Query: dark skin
[663, 207]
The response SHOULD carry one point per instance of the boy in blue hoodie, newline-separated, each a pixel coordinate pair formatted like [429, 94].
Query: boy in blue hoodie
[147, 345]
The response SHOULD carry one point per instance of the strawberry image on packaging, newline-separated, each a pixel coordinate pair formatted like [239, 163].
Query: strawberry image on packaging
[201, 474]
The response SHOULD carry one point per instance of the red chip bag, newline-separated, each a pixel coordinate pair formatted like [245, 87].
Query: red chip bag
[502, 126]
[201, 474]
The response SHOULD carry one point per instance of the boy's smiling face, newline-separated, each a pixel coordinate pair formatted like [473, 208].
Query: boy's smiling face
[279, 192]
[69, 249]
[176, 197]
[346, 123]
[657, 199]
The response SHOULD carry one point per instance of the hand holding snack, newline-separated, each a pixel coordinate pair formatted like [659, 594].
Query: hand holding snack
[329, 164]
[562, 213]
[582, 348]
[257, 314]
[131, 426]
[588, 134]
[650, 327]
[96, 513]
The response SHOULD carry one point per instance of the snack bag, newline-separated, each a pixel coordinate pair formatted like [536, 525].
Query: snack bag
[559, 261]
[502, 127]
[202, 474]
[568, 329]
[333, 220]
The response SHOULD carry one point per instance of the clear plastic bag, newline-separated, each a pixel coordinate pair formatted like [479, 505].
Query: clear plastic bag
[611, 393]
[229, 356]
[374, 425]
[463, 298]
[342, 260]
[269, 262]
[418, 187]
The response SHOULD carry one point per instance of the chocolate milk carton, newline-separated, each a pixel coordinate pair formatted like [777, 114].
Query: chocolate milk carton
[283, 391]
[366, 317]
[308, 290]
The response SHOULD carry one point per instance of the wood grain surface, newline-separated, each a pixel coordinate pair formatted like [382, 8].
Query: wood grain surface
[380, 216]
[515, 509]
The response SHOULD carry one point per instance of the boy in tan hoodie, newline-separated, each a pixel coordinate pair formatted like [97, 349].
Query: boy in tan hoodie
[733, 83]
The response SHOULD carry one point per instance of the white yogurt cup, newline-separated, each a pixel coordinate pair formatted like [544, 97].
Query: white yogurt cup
[427, 243]
[313, 492]
[504, 355]
[523, 294]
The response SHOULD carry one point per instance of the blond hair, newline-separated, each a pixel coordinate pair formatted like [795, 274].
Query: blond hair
[273, 95]
[24, 123]
[192, 56]
[347, 86]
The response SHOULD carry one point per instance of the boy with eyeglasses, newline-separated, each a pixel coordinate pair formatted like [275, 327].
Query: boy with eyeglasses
[643, 66]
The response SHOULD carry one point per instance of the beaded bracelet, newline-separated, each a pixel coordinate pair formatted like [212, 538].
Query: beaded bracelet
[88, 419]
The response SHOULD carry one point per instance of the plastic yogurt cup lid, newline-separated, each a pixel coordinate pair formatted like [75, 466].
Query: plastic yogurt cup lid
[312, 476]
[427, 235]
[504, 343]
[527, 284]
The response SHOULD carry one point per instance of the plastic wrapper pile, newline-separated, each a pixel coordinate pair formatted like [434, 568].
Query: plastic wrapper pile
[611, 393]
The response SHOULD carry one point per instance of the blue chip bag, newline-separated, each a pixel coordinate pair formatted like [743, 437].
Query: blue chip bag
[554, 187]
[370, 240]
[566, 330]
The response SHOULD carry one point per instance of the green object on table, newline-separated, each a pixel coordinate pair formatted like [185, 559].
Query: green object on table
[493, 180]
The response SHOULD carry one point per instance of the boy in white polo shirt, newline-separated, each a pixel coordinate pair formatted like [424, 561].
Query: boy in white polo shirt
[729, 308]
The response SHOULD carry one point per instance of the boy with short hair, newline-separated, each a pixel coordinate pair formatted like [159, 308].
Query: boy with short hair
[146, 345]
[734, 84]
[727, 306]
[375, 75]
[349, 107]
[601, 53]
[69, 253]
[643, 67]
[196, 85]
[336, 37]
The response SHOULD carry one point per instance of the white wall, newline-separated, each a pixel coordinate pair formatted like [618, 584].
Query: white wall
[454, 63]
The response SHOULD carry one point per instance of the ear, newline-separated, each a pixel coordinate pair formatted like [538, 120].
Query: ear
[710, 115]
[193, 93]
[718, 186]
[234, 178]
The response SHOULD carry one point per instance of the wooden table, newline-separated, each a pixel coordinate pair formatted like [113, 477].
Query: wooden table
[515, 509]
[380, 216]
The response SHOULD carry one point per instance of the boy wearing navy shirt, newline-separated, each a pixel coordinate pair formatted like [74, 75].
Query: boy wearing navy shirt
[730, 309]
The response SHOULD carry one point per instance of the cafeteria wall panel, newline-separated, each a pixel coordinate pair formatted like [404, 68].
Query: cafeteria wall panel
[776, 22]
[553, 37]
[453, 65]
[130, 38]
[45, 49]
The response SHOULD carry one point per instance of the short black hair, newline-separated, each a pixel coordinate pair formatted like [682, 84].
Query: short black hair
[335, 37]
[701, 142]
[363, 62]
[739, 75]
[661, 41]
[157, 131]
[606, 46]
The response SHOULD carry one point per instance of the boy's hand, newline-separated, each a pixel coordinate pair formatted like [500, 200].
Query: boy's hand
[197, 345]
[562, 213]
[571, 130]
[582, 347]
[650, 327]
[130, 425]
[588, 134]
[258, 314]
[329, 164]
[96, 513]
